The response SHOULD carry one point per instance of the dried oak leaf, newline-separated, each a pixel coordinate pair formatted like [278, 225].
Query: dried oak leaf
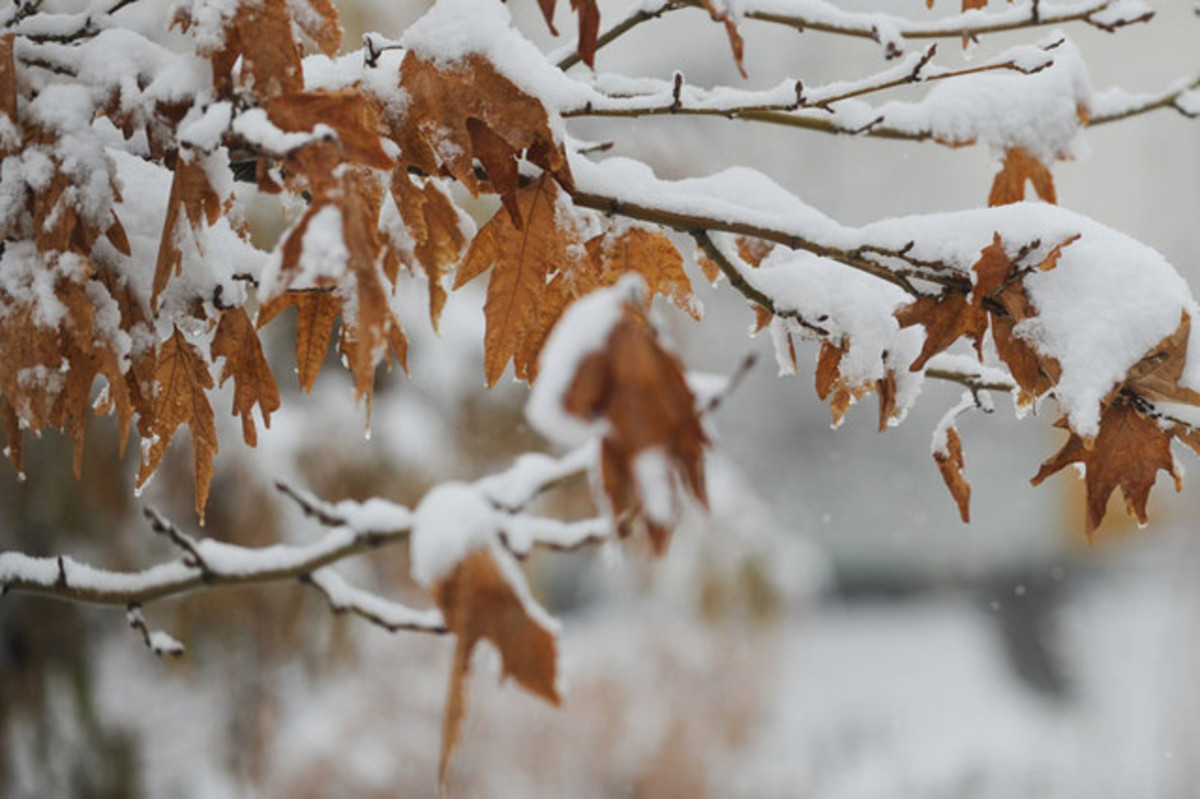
[192, 200]
[183, 380]
[320, 21]
[1156, 376]
[640, 389]
[830, 384]
[8, 78]
[736, 44]
[589, 26]
[253, 384]
[946, 318]
[949, 461]
[524, 257]
[477, 602]
[432, 223]
[1127, 453]
[260, 34]
[1021, 166]
[316, 313]
[347, 111]
[469, 111]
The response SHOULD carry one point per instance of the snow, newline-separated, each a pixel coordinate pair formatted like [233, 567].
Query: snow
[451, 521]
[583, 329]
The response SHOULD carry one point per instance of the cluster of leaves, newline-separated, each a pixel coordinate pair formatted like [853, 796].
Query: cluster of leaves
[371, 161]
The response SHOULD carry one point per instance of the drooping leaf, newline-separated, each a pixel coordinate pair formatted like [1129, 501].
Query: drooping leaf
[183, 380]
[654, 431]
[1128, 453]
[478, 600]
[736, 43]
[260, 34]
[469, 111]
[253, 384]
[589, 29]
[8, 78]
[316, 313]
[522, 258]
[1021, 166]
[192, 200]
[949, 461]
[432, 223]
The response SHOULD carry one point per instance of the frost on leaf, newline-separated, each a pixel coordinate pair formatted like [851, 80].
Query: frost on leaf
[470, 111]
[237, 342]
[319, 20]
[478, 600]
[182, 379]
[654, 434]
[1128, 453]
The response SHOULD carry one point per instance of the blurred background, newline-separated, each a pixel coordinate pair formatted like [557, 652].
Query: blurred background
[830, 630]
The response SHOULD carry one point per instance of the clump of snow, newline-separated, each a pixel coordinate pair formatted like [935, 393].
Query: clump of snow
[582, 330]
[450, 522]
[442, 37]
[1039, 111]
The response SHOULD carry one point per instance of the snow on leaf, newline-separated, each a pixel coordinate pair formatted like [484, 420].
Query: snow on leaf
[192, 199]
[1156, 377]
[1021, 166]
[478, 600]
[639, 388]
[347, 111]
[469, 111]
[259, 33]
[647, 252]
[1127, 453]
[319, 20]
[949, 461]
[237, 342]
[183, 378]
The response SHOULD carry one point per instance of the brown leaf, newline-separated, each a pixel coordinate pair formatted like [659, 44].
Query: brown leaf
[736, 44]
[709, 267]
[640, 389]
[1020, 166]
[8, 78]
[950, 464]
[316, 312]
[447, 104]
[237, 342]
[524, 257]
[321, 23]
[646, 252]
[477, 602]
[183, 379]
[1156, 376]
[347, 111]
[946, 318]
[1128, 453]
[762, 318]
[432, 222]
[589, 29]
[192, 199]
[260, 34]
[753, 251]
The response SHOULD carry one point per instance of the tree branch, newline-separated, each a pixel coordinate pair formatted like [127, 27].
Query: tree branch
[885, 28]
